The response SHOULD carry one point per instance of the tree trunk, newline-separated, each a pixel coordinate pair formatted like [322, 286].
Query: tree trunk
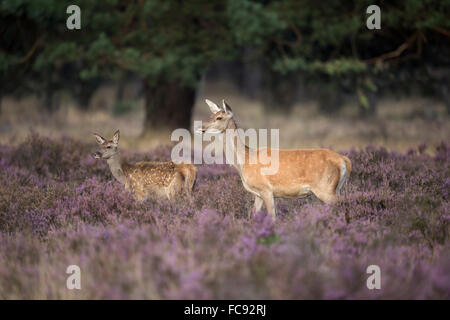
[330, 97]
[279, 91]
[84, 92]
[50, 100]
[167, 107]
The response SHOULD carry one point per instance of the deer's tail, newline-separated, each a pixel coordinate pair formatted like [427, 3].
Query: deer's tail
[345, 170]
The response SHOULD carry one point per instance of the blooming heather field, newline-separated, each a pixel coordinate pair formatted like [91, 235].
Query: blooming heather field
[60, 207]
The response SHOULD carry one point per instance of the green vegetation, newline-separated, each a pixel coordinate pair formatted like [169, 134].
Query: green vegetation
[170, 44]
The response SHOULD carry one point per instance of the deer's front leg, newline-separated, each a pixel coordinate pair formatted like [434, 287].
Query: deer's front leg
[256, 206]
[269, 202]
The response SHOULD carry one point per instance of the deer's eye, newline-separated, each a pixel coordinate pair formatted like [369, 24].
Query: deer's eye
[108, 147]
[219, 118]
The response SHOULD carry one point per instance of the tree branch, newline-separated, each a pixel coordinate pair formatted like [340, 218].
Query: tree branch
[393, 54]
[30, 52]
[297, 32]
[442, 31]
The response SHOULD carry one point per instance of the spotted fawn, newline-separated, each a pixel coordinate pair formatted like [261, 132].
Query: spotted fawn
[164, 179]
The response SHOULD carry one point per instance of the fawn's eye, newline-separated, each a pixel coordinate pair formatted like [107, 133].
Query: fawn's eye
[219, 118]
[108, 147]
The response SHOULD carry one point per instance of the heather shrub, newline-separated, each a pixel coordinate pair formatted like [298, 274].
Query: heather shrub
[60, 207]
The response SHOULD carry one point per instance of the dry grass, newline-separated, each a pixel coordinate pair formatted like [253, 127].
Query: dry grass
[399, 124]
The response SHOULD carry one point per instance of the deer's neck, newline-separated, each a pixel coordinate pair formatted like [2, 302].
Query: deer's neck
[116, 168]
[236, 152]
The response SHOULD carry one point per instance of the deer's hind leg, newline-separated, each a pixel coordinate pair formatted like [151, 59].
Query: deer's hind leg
[175, 187]
[139, 194]
[189, 173]
[325, 190]
[328, 197]
[189, 179]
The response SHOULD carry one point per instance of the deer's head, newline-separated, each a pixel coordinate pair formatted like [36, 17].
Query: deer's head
[107, 148]
[219, 119]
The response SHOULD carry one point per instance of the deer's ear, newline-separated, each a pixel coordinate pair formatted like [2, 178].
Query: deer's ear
[212, 106]
[116, 137]
[99, 138]
[226, 108]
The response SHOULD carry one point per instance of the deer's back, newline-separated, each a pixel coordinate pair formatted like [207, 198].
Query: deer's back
[150, 173]
[296, 166]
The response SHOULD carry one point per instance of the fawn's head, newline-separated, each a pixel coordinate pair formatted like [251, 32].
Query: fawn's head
[108, 148]
[219, 120]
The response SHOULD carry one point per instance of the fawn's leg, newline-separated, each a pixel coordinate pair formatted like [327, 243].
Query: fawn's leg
[140, 196]
[191, 179]
[168, 194]
[175, 186]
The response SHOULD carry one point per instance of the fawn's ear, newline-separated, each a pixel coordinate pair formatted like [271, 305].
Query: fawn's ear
[212, 106]
[99, 138]
[226, 108]
[116, 137]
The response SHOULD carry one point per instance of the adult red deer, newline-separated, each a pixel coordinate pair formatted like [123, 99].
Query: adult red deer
[301, 172]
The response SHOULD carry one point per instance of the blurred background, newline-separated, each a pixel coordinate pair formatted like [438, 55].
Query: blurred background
[310, 68]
